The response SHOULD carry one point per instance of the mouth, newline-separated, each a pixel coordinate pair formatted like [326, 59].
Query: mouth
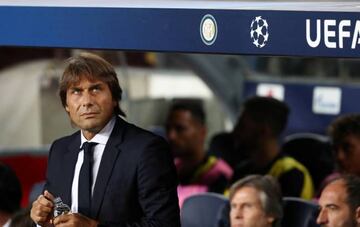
[236, 225]
[89, 114]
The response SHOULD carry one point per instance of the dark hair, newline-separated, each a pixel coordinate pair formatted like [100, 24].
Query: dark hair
[92, 67]
[343, 126]
[22, 219]
[194, 106]
[269, 111]
[352, 184]
[10, 190]
[268, 185]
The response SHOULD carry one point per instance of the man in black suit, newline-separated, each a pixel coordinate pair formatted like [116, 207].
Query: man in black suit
[111, 173]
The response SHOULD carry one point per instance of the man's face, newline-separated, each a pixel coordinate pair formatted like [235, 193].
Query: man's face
[90, 105]
[184, 132]
[334, 210]
[249, 134]
[247, 210]
[348, 154]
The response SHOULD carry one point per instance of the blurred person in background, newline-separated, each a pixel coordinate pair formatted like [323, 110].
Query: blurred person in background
[256, 137]
[256, 201]
[340, 203]
[22, 219]
[186, 133]
[345, 135]
[10, 194]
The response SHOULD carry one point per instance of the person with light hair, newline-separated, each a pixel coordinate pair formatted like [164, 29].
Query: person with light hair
[256, 201]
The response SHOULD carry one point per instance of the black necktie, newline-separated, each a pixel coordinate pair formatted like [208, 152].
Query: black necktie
[85, 180]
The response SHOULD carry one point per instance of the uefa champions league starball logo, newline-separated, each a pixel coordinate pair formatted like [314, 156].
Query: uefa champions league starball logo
[259, 32]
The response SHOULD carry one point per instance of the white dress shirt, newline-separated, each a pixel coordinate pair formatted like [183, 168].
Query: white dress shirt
[7, 224]
[101, 139]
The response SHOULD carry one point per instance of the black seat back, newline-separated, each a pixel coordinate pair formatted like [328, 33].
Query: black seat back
[314, 152]
[299, 213]
[202, 210]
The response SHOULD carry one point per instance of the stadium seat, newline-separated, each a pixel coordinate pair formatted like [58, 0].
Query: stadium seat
[313, 151]
[202, 210]
[299, 213]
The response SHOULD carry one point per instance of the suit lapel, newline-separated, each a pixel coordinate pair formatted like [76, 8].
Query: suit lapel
[107, 163]
[69, 162]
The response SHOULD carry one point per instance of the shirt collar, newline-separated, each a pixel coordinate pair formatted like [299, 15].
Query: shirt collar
[103, 136]
[7, 224]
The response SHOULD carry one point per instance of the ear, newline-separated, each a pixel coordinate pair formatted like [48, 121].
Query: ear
[67, 109]
[115, 103]
[266, 130]
[204, 130]
[357, 215]
[270, 219]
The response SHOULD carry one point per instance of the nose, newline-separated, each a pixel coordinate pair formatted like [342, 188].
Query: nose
[340, 155]
[237, 212]
[171, 134]
[322, 218]
[86, 99]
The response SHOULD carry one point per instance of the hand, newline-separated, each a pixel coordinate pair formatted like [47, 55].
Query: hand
[42, 209]
[74, 219]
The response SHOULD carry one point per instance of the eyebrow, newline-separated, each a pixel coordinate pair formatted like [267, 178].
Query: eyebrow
[74, 88]
[77, 87]
[98, 85]
[243, 203]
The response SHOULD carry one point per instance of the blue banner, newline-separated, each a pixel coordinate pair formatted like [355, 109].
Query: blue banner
[253, 32]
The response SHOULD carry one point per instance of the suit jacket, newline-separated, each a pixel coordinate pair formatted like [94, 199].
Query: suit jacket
[136, 183]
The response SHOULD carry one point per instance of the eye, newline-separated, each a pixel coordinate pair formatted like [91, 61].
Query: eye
[180, 128]
[348, 147]
[332, 207]
[95, 89]
[247, 205]
[75, 91]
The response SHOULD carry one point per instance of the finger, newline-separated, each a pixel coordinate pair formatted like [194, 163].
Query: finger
[61, 219]
[44, 201]
[41, 205]
[40, 212]
[48, 195]
[40, 219]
